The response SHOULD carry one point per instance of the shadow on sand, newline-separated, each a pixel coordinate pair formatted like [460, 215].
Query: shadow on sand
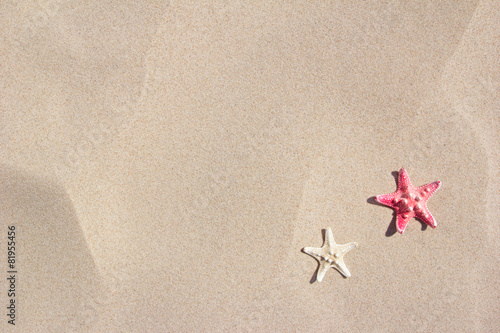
[57, 281]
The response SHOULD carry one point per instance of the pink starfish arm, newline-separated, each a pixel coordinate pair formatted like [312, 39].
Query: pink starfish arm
[404, 180]
[421, 211]
[401, 223]
[427, 190]
[426, 216]
[386, 199]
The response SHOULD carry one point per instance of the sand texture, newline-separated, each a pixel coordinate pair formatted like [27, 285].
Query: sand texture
[164, 163]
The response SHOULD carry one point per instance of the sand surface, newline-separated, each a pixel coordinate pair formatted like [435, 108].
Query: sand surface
[164, 163]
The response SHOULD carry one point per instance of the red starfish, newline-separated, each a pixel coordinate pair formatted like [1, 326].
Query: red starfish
[410, 201]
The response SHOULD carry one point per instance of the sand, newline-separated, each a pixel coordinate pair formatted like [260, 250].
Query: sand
[164, 163]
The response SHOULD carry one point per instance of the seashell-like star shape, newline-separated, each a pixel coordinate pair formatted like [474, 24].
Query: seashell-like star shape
[330, 255]
[409, 201]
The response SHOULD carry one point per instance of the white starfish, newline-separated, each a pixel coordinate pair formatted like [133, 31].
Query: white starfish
[329, 255]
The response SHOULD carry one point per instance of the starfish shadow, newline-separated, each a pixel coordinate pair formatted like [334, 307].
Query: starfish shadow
[392, 229]
[424, 225]
[313, 278]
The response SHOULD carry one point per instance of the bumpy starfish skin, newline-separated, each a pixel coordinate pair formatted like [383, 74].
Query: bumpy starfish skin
[410, 201]
[330, 255]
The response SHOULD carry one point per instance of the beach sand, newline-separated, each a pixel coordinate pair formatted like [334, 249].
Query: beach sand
[164, 163]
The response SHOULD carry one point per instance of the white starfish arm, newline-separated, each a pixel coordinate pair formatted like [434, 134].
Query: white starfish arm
[313, 251]
[329, 241]
[347, 247]
[342, 268]
[323, 267]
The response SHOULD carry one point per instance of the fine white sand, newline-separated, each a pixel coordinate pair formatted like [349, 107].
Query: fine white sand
[165, 163]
